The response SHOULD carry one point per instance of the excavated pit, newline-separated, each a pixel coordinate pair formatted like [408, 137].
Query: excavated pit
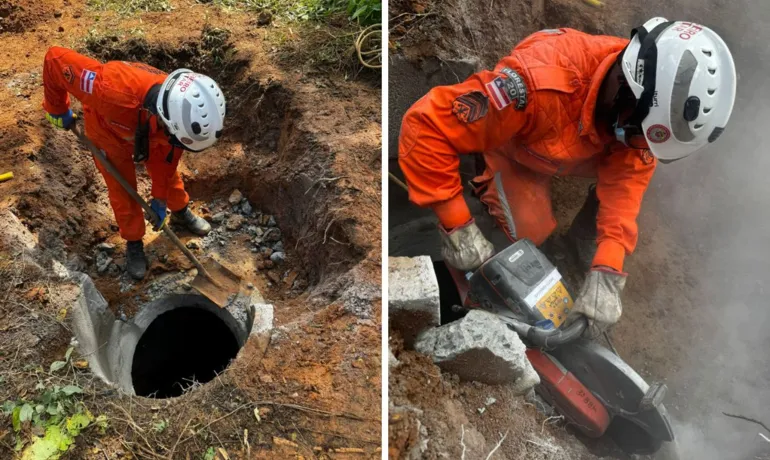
[181, 347]
[265, 152]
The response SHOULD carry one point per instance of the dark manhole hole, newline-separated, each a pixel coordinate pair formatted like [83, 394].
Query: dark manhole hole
[181, 346]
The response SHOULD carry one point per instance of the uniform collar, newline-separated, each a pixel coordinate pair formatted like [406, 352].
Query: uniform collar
[587, 118]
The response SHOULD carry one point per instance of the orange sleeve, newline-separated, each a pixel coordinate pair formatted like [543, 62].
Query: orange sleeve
[66, 72]
[624, 175]
[477, 115]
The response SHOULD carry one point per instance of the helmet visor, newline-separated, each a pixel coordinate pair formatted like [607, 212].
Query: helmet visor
[681, 104]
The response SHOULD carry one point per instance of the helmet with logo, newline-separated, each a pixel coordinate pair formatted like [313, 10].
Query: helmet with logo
[683, 78]
[192, 107]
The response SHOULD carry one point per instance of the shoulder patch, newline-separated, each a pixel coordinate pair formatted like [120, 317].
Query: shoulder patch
[508, 90]
[470, 106]
[87, 78]
[68, 74]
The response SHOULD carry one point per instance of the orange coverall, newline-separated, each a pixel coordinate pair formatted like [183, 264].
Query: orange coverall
[112, 95]
[532, 117]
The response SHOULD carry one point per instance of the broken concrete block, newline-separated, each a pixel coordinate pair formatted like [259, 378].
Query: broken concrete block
[480, 347]
[413, 296]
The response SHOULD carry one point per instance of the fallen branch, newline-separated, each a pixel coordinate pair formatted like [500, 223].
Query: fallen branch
[748, 419]
[272, 403]
[498, 445]
[317, 411]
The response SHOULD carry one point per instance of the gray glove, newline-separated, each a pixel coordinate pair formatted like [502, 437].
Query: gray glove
[465, 248]
[599, 300]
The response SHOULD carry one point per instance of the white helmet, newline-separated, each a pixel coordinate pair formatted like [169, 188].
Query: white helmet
[683, 77]
[192, 107]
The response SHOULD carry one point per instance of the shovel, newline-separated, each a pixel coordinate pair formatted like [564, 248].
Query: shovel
[214, 281]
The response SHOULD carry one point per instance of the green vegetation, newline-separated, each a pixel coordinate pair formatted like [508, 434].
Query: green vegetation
[47, 425]
[127, 7]
[366, 12]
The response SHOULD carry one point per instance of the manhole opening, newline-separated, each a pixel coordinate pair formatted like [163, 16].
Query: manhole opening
[181, 347]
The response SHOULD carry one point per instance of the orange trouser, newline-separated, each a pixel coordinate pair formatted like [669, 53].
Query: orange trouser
[128, 213]
[527, 192]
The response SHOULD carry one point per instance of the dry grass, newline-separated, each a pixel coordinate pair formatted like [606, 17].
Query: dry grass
[127, 7]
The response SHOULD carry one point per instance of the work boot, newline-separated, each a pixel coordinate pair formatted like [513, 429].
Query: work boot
[136, 262]
[191, 222]
[582, 232]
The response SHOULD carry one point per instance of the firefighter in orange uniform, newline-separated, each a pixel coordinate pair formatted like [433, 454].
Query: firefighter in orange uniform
[565, 103]
[135, 113]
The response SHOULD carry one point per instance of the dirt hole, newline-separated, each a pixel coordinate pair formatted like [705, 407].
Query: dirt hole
[181, 347]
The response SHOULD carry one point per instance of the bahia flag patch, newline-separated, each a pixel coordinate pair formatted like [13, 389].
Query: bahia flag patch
[508, 89]
[87, 81]
[498, 94]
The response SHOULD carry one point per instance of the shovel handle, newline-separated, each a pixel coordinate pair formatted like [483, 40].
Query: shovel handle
[99, 155]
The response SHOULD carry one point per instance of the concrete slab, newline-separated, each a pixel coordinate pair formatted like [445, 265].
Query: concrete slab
[480, 347]
[413, 298]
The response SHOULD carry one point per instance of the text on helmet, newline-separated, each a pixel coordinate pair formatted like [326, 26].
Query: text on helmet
[687, 29]
[186, 81]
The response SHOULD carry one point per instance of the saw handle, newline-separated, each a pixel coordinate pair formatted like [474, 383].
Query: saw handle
[550, 338]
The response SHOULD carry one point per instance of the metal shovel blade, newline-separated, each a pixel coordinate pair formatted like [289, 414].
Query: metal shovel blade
[223, 283]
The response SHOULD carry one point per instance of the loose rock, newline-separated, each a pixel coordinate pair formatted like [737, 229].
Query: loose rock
[218, 217]
[273, 276]
[278, 246]
[271, 222]
[272, 234]
[235, 197]
[278, 257]
[103, 262]
[106, 247]
[234, 222]
[246, 208]
[193, 244]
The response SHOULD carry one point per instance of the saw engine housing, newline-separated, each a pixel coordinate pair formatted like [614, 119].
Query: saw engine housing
[521, 283]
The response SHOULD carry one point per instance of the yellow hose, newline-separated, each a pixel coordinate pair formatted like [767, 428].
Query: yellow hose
[6, 176]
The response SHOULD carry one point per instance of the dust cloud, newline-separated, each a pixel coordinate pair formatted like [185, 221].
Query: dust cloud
[718, 206]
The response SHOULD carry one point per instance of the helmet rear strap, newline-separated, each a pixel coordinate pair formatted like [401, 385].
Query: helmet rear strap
[648, 54]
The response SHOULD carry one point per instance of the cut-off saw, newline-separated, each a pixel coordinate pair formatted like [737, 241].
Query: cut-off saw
[592, 387]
